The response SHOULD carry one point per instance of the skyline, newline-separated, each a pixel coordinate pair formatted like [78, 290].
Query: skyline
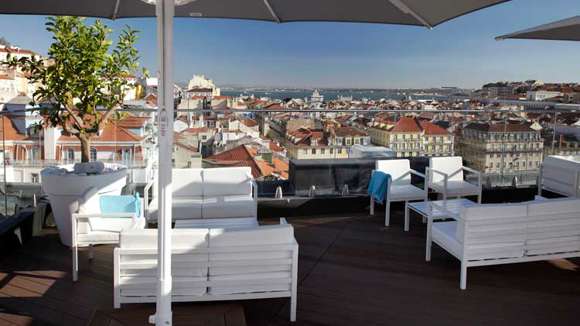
[459, 53]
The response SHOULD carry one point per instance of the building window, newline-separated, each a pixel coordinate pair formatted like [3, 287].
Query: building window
[70, 154]
[35, 178]
[322, 151]
[93, 154]
[314, 151]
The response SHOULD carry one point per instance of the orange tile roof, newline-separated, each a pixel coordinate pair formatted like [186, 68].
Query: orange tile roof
[407, 124]
[238, 156]
[10, 132]
[110, 133]
[275, 147]
[249, 122]
[132, 121]
[432, 129]
[245, 155]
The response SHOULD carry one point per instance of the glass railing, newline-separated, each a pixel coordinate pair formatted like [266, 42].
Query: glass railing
[297, 152]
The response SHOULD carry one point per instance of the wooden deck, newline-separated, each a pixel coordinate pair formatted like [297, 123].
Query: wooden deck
[352, 271]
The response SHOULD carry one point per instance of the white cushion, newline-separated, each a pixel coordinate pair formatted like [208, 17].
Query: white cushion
[187, 183]
[227, 181]
[443, 234]
[405, 192]
[396, 169]
[183, 208]
[229, 206]
[447, 165]
[115, 224]
[456, 188]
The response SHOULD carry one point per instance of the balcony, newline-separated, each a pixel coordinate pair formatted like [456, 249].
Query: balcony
[352, 270]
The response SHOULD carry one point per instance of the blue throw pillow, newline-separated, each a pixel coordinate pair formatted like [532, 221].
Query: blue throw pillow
[120, 204]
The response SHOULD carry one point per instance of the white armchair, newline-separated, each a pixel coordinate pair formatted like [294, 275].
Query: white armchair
[400, 187]
[98, 225]
[446, 176]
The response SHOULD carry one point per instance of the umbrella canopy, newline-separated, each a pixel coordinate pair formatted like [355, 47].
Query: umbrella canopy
[428, 13]
[562, 30]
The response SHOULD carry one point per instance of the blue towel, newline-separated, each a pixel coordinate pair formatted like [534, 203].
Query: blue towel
[378, 186]
[120, 204]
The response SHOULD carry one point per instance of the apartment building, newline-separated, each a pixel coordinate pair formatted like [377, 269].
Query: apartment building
[332, 143]
[411, 137]
[501, 147]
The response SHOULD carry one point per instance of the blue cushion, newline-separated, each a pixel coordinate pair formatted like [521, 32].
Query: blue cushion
[120, 204]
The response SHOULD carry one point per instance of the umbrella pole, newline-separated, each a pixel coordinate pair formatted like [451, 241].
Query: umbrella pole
[165, 10]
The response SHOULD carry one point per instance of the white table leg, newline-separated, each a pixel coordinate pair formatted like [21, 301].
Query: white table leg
[406, 216]
[428, 243]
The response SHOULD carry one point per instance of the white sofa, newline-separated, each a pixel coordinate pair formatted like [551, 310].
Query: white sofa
[208, 193]
[494, 234]
[400, 187]
[446, 177]
[561, 175]
[210, 265]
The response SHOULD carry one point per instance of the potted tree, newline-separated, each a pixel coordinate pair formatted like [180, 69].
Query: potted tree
[80, 87]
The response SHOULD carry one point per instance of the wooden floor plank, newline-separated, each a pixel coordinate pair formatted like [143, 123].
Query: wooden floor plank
[352, 271]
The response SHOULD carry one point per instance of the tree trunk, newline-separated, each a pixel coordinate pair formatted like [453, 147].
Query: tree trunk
[85, 148]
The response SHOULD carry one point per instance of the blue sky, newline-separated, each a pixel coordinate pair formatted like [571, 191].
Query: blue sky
[460, 53]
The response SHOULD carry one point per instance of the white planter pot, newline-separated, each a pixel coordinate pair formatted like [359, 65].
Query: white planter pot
[65, 192]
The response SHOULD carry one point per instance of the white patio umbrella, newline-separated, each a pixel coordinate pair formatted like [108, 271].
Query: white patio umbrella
[562, 30]
[428, 13]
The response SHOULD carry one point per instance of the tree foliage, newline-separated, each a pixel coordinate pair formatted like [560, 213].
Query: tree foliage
[82, 82]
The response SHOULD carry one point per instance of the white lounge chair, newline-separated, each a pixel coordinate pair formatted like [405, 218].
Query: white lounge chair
[494, 234]
[445, 175]
[400, 187]
[210, 265]
[208, 193]
[98, 225]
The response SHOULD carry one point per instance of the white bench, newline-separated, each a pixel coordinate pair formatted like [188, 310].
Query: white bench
[494, 234]
[560, 175]
[208, 193]
[210, 265]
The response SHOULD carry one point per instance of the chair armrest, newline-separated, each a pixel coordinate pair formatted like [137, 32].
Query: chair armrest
[465, 168]
[417, 173]
[445, 175]
[146, 198]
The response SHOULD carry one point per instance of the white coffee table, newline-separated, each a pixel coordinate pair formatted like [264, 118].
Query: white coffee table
[218, 223]
[437, 210]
